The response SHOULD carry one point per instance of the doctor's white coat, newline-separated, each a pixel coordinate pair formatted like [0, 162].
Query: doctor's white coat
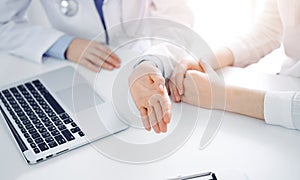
[20, 38]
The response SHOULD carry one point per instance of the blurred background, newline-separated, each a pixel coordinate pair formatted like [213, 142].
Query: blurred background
[217, 22]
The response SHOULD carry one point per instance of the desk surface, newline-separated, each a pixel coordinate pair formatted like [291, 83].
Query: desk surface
[243, 144]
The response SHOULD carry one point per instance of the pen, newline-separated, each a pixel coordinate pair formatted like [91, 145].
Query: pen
[198, 176]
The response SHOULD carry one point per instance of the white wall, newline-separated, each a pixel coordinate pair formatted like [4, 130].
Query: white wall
[218, 21]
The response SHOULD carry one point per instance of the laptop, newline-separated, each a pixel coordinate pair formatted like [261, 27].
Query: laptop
[55, 112]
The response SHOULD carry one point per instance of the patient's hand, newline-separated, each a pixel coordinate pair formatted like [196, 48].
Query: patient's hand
[175, 84]
[147, 87]
[200, 91]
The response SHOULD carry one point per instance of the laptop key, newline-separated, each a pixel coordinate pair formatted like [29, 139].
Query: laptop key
[52, 144]
[51, 114]
[23, 130]
[32, 117]
[26, 122]
[35, 135]
[5, 92]
[45, 106]
[37, 83]
[53, 103]
[33, 145]
[26, 135]
[30, 113]
[18, 122]
[60, 139]
[1, 96]
[67, 121]
[32, 131]
[12, 113]
[21, 113]
[57, 123]
[36, 150]
[55, 133]
[39, 125]
[51, 128]
[43, 146]
[39, 140]
[45, 119]
[15, 117]
[64, 116]
[29, 126]
[36, 121]
[29, 140]
[75, 130]
[73, 124]
[42, 130]
[49, 139]
[46, 134]
[54, 118]
[81, 133]
[61, 127]
[48, 123]
[41, 115]
[68, 135]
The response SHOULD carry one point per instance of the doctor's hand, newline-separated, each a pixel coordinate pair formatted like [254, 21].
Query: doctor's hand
[92, 55]
[175, 83]
[147, 87]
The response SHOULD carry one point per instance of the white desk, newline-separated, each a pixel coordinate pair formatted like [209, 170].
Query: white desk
[243, 144]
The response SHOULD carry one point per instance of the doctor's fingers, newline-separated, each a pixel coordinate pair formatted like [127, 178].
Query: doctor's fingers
[88, 64]
[152, 119]
[174, 92]
[97, 61]
[145, 118]
[162, 107]
[160, 116]
[177, 77]
[102, 57]
[107, 54]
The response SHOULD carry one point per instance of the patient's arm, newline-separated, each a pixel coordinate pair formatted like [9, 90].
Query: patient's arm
[197, 91]
[147, 87]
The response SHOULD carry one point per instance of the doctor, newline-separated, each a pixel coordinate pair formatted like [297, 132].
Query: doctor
[74, 24]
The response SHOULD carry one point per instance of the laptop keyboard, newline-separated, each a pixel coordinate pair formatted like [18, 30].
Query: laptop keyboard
[40, 118]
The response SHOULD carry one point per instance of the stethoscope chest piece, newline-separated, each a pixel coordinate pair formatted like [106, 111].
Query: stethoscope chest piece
[69, 7]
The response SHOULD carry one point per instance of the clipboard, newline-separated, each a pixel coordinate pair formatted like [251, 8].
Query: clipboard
[198, 176]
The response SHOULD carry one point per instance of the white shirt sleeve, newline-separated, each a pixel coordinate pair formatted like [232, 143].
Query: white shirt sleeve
[21, 38]
[263, 39]
[165, 55]
[282, 108]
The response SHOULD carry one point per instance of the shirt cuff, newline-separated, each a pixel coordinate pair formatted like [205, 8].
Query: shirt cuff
[296, 110]
[156, 60]
[278, 108]
[58, 49]
[240, 53]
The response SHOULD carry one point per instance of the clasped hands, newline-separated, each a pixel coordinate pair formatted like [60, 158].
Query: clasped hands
[188, 83]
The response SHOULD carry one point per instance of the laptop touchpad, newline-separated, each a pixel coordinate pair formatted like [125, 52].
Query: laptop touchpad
[79, 97]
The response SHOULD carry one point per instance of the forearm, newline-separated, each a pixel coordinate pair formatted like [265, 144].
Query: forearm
[20, 37]
[245, 101]
[224, 57]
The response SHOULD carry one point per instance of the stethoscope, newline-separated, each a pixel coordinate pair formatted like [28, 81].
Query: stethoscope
[70, 8]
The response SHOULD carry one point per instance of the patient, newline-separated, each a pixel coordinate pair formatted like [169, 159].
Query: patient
[277, 25]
